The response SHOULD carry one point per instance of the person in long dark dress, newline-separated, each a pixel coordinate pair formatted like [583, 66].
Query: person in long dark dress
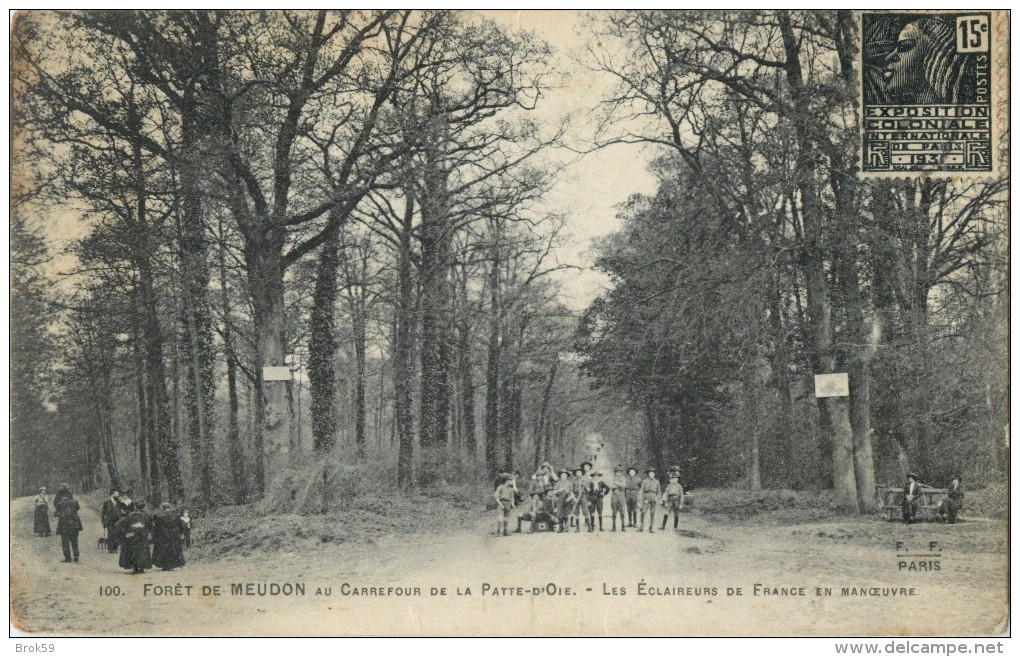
[133, 537]
[41, 523]
[68, 525]
[954, 501]
[167, 553]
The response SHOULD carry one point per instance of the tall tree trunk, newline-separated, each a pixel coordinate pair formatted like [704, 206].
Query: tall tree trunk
[359, 322]
[492, 378]
[234, 446]
[200, 389]
[855, 356]
[164, 443]
[403, 369]
[465, 371]
[141, 391]
[833, 414]
[752, 400]
[781, 368]
[541, 442]
[272, 438]
[322, 347]
[844, 184]
[435, 307]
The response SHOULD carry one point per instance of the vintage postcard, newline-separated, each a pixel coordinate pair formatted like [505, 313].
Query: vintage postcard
[504, 323]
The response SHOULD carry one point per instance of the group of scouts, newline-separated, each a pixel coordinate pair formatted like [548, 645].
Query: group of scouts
[130, 528]
[562, 499]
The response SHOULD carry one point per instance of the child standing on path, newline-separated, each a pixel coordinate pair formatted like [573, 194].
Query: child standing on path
[649, 498]
[618, 501]
[505, 500]
[633, 495]
[672, 500]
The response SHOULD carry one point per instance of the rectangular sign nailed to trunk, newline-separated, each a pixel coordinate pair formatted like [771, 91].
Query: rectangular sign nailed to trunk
[276, 373]
[832, 385]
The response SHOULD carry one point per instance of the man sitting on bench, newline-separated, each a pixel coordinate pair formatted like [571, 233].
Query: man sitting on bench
[911, 496]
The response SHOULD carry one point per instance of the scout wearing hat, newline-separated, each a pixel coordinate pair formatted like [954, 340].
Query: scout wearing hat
[618, 501]
[537, 491]
[505, 501]
[597, 490]
[672, 500]
[563, 495]
[650, 490]
[109, 515]
[580, 492]
[911, 493]
[633, 495]
[549, 477]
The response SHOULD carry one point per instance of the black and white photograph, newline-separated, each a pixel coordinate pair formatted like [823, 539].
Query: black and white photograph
[499, 323]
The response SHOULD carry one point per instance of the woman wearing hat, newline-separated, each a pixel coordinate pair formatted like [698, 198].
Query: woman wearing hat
[911, 495]
[41, 525]
[650, 490]
[954, 501]
[133, 536]
[167, 552]
[109, 515]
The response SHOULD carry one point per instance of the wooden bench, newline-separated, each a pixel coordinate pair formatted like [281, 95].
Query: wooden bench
[927, 506]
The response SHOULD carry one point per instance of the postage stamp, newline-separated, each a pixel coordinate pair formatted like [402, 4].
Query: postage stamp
[928, 92]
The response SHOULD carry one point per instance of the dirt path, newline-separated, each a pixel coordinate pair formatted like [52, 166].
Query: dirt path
[519, 585]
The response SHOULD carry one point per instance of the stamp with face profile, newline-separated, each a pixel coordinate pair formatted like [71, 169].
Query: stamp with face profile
[928, 93]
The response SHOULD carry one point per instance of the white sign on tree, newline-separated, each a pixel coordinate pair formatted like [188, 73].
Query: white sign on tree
[276, 373]
[832, 385]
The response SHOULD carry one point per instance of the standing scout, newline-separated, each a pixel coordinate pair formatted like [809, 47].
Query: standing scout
[563, 495]
[505, 500]
[633, 495]
[580, 499]
[672, 500]
[537, 491]
[649, 498]
[597, 491]
[618, 502]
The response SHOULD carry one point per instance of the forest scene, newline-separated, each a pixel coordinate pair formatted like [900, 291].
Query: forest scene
[322, 276]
